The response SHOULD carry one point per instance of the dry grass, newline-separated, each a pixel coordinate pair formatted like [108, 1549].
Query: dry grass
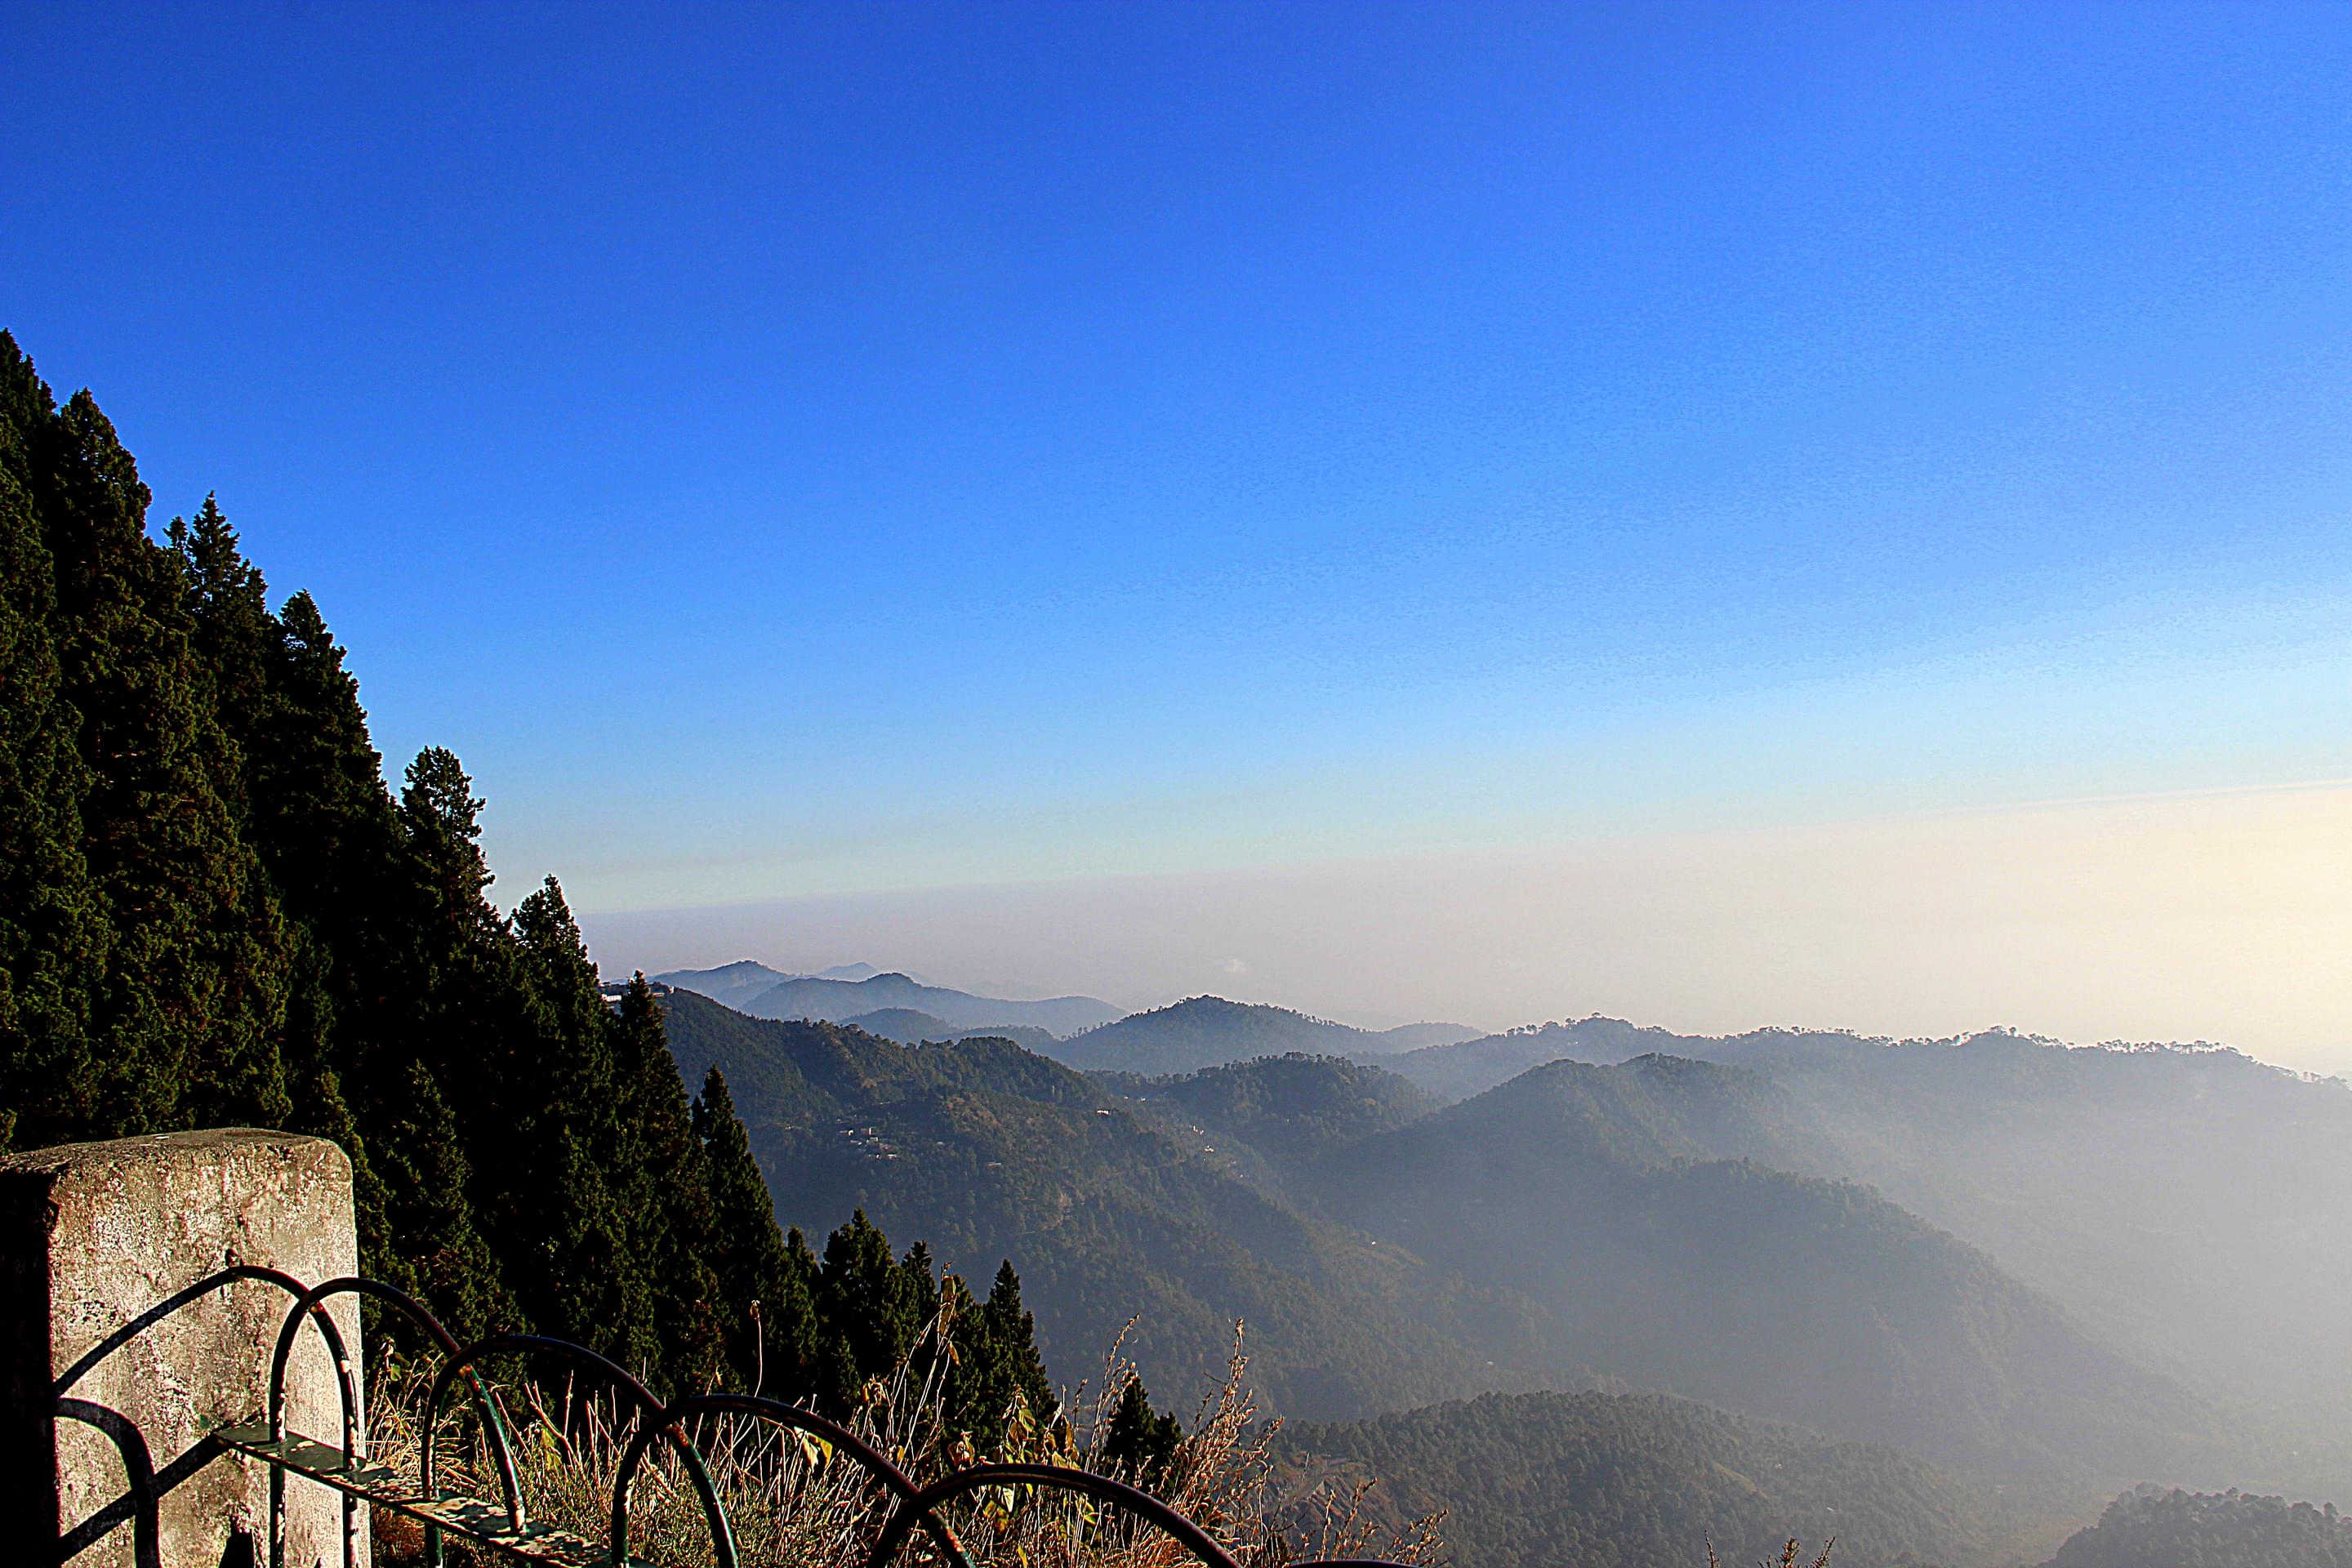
[796, 1503]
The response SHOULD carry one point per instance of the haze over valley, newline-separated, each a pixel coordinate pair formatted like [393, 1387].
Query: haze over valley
[2041, 1274]
[1456, 784]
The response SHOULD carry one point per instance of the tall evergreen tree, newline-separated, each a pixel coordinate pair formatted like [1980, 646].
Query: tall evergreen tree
[53, 933]
[663, 1189]
[190, 997]
[1141, 1442]
[431, 1249]
[766, 1284]
[213, 910]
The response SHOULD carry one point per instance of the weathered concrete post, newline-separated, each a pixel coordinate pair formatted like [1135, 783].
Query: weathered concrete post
[92, 1235]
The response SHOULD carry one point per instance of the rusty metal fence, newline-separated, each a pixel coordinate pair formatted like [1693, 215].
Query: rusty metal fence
[502, 1524]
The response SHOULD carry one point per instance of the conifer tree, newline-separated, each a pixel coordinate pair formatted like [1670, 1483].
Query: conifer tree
[230, 631]
[432, 1249]
[993, 1369]
[213, 910]
[53, 933]
[866, 1302]
[760, 1272]
[1141, 1442]
[189, 1000]
[589, 1282]
[663, 1177]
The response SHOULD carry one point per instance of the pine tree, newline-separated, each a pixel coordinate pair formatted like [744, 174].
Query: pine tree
[189, 1000]
[53, 938]
[766, 1283]
[213, 910]
[433, 1248]
[662, 1179]
[1141, 1442]
[231, 633]
[997, 1362]
[866, 1304]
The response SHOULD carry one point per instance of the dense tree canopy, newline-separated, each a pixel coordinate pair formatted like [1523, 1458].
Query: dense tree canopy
[214, 911]
[2155, 1528]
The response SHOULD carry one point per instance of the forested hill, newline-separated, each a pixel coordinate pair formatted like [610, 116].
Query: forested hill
[1292, 1110]
[910, 1028]
[213, 911]
[1208, 1031]
[1575, 1222]
[2153, 1528]
[990, 1151]
[1457, 1069]
[1596, 1481]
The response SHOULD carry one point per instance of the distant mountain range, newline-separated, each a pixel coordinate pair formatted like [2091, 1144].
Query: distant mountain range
[1208, 1031]
[1653, 1222]
[2145, 1189]
[856, 991]
[1636, 1205]
[741, 983]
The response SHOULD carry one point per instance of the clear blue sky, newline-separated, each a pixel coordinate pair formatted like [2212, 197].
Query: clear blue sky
[818, 451]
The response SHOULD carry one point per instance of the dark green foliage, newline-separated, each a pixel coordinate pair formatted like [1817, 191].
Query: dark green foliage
[991, 1151]
[212, 911]
[1141, 1441]
[186, 995]
[1293, 1108]
[53, 935]
[997, 1362]
[2151, 1528]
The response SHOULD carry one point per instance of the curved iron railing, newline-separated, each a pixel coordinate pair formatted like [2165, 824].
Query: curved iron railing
[505, 1526]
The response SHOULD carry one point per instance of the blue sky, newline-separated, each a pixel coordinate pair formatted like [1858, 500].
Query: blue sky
[799, 452]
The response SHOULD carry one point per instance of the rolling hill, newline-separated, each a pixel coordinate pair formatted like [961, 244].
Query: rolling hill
[987, 1150]
[2153, 1528]
[1579, 1222]
[1460, 1069]
[2188, 1203]
[732, 985]
[910, 1028]
[1208, 1031]
[832, 1001]
[1591, 1190]
[1292, 1110]
[1600, 1480]
[741, 982]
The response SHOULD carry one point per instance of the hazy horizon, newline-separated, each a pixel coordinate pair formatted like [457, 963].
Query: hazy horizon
[1661, 509]
[2067, 920]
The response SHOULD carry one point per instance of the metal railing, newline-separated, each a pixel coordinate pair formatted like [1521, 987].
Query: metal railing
[503, 1524]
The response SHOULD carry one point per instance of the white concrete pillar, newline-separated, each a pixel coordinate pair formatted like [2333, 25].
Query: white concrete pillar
[92, 1235]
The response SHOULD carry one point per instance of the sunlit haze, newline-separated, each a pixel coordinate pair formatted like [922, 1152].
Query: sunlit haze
[1721, 516]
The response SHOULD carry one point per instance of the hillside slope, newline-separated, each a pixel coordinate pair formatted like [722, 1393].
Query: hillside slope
[2151, 1528]
[910, 1028]
[1291, 1110]
[1747, 1286]
[990, 1151]
[2190, 1203]
[1208, 1031]
[1597, 1480]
